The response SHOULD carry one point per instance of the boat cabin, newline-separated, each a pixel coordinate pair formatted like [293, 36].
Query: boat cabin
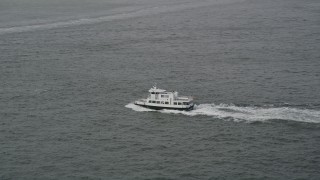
[161, 96]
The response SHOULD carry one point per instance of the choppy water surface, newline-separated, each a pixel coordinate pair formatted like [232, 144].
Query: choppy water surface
[71, 70]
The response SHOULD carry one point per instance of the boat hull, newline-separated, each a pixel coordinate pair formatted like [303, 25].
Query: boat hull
[170, 108]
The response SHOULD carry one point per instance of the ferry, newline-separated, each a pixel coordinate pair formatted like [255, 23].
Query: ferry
[162, 99]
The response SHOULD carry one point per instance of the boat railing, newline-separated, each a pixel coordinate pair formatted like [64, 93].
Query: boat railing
[189, 98]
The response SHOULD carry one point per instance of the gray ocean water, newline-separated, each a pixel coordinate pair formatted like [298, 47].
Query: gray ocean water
[70, 70]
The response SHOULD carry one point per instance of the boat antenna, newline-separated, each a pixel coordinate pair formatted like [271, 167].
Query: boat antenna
[155, 85]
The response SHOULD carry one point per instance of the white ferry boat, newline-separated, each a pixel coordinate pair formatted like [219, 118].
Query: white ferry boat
[162, 99]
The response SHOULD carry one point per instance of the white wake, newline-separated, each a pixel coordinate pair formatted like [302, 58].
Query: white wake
[249, 114]
[126, 15]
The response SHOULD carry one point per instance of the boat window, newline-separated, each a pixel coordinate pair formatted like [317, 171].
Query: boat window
[162, 102]
[185, 103]
[152, 92]
[149, 101]
[179, 103]
[167, 102]
[175, 103]
[153, 101]
[158, 102]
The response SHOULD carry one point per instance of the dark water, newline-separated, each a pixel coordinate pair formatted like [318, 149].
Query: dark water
[70, 70]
